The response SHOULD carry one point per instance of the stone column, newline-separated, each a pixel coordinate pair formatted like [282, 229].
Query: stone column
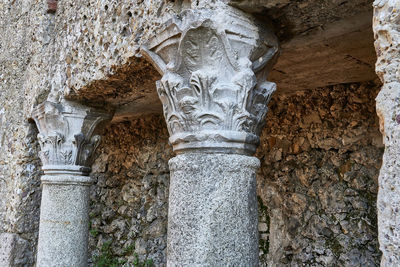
[214, 64]
[68, 136]
[386, 23]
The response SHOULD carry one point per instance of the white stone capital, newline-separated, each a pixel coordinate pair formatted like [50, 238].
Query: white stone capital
[214, 91]
[68, 136]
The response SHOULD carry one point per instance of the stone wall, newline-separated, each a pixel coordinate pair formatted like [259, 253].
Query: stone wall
[386, 24]
[19, 164]
[320, 152]
[129, 198]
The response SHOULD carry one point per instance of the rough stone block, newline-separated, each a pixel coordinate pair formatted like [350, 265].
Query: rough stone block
[12, 250]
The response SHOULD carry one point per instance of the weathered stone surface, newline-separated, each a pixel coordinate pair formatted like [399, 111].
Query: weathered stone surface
[331, 40]
[85, 46]
[20, 23]
[14, 251]
[131, 185]
[212, 216]
[91, 48]
[302, 176]
[339, 52]
[68, 136]
[87, 55]
[68, 140]
[320, 161]
[214, 91]
[387, 45]
[64, 223]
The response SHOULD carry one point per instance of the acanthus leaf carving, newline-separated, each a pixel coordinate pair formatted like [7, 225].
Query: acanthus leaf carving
[86, 146]
[67, 134]
[214, 96]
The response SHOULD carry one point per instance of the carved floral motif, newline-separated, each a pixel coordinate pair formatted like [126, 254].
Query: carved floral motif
[213, 88]
[67, 134]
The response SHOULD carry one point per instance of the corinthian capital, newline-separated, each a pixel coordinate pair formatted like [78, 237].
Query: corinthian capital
[214, 91]
[68, 136]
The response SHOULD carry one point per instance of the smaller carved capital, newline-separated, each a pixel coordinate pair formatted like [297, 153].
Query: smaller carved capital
[68, 136]
[214, 91]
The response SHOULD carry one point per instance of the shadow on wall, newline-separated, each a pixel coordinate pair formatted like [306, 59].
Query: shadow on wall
[129, 201]
[320, 152]
[20, 201]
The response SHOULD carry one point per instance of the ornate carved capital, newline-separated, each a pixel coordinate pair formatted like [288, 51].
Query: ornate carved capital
[68, 136]
[214, 91]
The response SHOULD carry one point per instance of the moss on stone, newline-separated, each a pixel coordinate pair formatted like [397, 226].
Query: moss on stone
[106, 258]
[263, 213]
[334, 245]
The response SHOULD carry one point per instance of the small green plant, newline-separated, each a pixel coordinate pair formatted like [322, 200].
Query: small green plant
[94, 232]
[335, 246]
[106, 258]
[129, 249]
[263, 213]
[138, 263]
[149, 262]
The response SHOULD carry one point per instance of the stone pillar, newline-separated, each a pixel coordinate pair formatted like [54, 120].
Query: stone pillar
[214, 93]
[68, 136]
[386, 23]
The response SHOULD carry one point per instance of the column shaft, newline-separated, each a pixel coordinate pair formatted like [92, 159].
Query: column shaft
[64, 223]
[214, 93]
[212, 219]
[68, 137]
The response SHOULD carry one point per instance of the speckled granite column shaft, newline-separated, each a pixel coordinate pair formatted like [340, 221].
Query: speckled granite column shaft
[64, 223]
[212, 219]
[215, 93]
[68, 137]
